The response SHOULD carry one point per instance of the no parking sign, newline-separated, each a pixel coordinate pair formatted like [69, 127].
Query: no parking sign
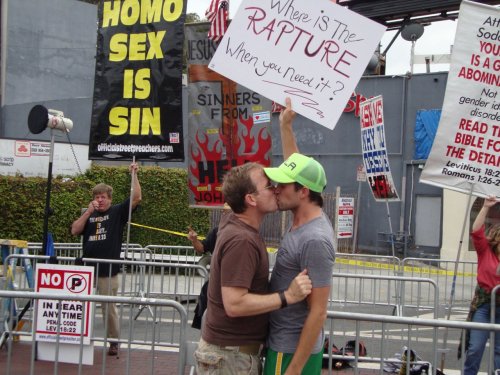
[345, 217]
[70, 318]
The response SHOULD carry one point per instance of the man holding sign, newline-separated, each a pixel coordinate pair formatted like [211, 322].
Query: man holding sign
[102, 225]
[295, 342]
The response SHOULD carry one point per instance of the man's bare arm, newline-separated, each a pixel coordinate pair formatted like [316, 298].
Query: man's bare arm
[288, 141]
[197, 244]
[239, 302]
[79, 224]
[136, 197]
[318, 302]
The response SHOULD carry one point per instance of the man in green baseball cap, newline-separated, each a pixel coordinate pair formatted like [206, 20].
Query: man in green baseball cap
[302, 169]
[295, 341]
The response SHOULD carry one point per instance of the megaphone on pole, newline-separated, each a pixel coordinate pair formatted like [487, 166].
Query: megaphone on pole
[41, 118]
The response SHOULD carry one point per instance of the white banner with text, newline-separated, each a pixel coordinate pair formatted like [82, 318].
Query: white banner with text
[465, 155]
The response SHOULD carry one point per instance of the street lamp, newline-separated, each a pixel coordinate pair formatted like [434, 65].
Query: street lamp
[412, 32]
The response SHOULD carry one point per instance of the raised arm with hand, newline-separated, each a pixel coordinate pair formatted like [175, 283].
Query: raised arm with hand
[481, 216]
[136, 197]
[79, 224]
[288, 141]
[197, 244]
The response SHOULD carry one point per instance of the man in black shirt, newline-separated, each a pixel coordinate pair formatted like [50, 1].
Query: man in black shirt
[205, 248]
[102, 226]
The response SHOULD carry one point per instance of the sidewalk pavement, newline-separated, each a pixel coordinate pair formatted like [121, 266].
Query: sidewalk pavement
[139, 362]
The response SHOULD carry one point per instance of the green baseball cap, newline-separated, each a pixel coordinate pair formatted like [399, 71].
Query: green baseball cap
[302, 169]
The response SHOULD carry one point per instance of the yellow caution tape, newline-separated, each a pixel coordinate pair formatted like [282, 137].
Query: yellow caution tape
[410, 269]
[164, 230]
[351, 262]
[271, 250]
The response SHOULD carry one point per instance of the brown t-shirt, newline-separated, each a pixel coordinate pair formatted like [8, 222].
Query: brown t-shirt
[239, 260]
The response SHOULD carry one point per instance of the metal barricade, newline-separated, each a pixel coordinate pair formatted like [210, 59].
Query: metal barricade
[174, 254]
[367, 264]
[442, 272]
[494, 299]
[146, 279]
[142, 355]
[384, 336]
[174, 280]
[379, 293]
[70, 249]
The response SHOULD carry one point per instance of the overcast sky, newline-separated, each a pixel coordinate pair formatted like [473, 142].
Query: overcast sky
[437, 39]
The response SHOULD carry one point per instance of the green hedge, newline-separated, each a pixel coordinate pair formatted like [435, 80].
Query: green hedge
[164, 204]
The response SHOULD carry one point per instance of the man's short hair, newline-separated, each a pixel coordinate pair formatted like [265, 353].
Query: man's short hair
[314, 196]
[102, 189]
[237, 184]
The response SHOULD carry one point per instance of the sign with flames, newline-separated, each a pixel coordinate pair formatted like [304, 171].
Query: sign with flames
[228, 124]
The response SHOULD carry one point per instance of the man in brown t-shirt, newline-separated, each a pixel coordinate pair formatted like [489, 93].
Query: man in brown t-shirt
[236, 321]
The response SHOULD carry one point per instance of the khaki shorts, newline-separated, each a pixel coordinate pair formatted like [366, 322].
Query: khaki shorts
[216, 360]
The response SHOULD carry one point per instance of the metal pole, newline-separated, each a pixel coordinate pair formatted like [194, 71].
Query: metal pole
[132, 175]
[390, 226]
[48, 211]
[452, 292]
[412, 56]
[356, 217]
[336, 224]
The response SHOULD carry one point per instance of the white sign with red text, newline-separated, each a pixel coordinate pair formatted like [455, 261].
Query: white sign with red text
[345, 217]
[71, 319]
[311, 51]
[361, 173]
[465, 155]
[31, 158]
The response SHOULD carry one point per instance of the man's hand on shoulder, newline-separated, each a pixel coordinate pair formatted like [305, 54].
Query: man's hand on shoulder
[299, 288]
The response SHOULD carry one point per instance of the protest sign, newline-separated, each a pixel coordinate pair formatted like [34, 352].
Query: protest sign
[465, 154]
[312, 51]
[137, 106]
[228, 124]
[375, 158]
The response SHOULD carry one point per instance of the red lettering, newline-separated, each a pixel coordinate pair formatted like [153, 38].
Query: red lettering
[343, 61]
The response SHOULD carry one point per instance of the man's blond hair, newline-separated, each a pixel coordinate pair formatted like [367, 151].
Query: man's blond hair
[102, 189]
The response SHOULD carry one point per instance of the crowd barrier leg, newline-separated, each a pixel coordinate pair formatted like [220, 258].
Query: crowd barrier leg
[11, 319]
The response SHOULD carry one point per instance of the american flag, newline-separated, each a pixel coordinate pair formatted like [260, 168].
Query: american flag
[217, 14]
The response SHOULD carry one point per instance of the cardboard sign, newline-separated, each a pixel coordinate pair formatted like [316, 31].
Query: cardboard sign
[312, 51]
